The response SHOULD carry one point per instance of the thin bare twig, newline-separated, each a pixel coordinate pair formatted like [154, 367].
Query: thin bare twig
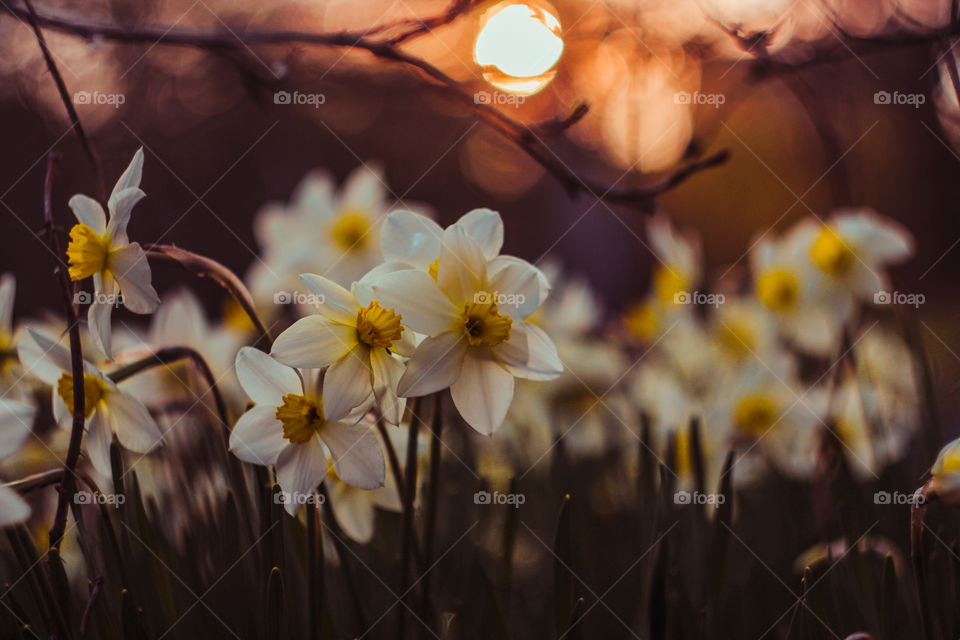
[526, 137]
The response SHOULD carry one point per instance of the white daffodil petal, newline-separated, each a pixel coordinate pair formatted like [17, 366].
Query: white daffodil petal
[132, 271]
[98, 441]
[410, 238]
[264, 379]
[529, 353]
[482, 393]
[179, 321]
[462, 271]
[362, 289]
[435, 365]
[363, 189]
[416, 297]
[89, 212]
[314, 342]
[257, 437]
[13, 508]
[347, 383]
[132, 175]
[16, 419]
[129, 419]
[357, 456]
[121, 206]
[43, 357]
[300, 469]
[98, 315]
[334, 302]
[486, 228]
[387, 371]
[517, 285]
[354, 511]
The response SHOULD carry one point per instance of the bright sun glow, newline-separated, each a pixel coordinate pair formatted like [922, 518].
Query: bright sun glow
[518, 46]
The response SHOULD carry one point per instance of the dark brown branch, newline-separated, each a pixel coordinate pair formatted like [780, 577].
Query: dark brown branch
[76, 363]
[418, 27]
[524, 136]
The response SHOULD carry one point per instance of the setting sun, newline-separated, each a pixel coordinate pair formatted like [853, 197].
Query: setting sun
[518, 46]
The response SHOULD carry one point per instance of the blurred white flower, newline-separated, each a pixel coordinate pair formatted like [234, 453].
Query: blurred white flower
[321, 231]
[474, 313]
[100, 248]
[787, 288]
[16, 420]
[180, 321]
[107, 409]
[10, 373]
[291, 428]
[766, 415]
[850, 254]
[357, 341]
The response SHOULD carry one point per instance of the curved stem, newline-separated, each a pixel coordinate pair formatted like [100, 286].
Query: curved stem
[203, 267]
[168, 355]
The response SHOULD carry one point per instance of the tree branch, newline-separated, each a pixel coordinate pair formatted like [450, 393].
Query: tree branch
[526, 137]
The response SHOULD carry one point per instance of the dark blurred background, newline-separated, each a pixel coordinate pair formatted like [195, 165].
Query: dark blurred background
[218, 148]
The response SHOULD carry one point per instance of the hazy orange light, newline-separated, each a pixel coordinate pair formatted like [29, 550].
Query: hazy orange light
[519, 45]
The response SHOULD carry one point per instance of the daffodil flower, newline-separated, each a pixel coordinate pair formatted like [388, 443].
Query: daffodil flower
[291, 427]
[946, 474]
[850, 252]
[100, 248]
[107, 409]
[766, 413]
[321, 230]
[678, 263]
[357, 341]
[9, 378]
[786, 289]
[474, 315]
[16, 420]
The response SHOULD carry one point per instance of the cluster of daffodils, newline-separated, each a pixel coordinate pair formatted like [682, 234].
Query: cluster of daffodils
[382, 306]
[732, 358]
[394, 307]
[444, 311]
